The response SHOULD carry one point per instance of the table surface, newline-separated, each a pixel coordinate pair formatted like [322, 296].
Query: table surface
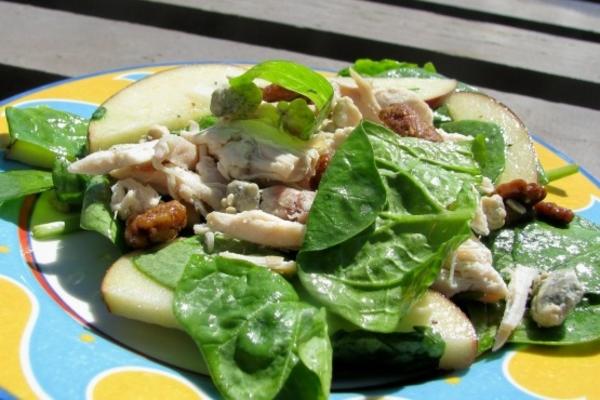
[540, 57]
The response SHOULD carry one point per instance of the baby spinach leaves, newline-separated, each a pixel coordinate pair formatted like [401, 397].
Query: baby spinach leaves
[48, 133]
[405, 354]
[96, 214]
[19, 183]
[396, 208]
[488, 144]
[546, 247]
[259, 341]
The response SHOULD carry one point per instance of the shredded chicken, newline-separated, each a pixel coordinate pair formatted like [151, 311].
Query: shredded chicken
[470, 269]
[259, 227]
[287, 203]
[518, 290]
[144, 173]
[274, 263]
[554, 297]
[130, 198]
[175, 150]
[490, 215]
[245, 158]
[454, 137]
[118, 156]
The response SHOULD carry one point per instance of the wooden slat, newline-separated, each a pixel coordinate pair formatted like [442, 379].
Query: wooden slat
[392, 24]
[73, 44]
[582, 15]
[68, 44]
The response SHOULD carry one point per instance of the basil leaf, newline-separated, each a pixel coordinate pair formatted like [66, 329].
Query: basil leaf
[96, 214]
[259, 341]
[488, 144]
[19, 183]
[52, 132]
[294, 77]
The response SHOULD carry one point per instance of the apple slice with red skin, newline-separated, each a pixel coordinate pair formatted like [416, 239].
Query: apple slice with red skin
[521, 159]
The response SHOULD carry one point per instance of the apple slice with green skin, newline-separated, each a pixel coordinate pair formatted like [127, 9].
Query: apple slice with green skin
[521, 159]
[129, 293]
[446, 319]
[171, 98]
[432, 91]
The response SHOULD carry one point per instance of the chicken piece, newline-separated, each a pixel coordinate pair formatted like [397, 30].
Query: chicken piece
[158, 224]
[144, 173]
[494, 211]
[243, 157]
[118, 156]
[362, 95]
[555, 295]
[258, 227]
[345, 113]
[454, 137]
[207, 167]
[518, 291]
[487, 186]
[130, 198]
[188, 186]
[470, 269]
[274, 263]
[241, 196]
[287, 203]
[158, 131]
[490, 215]
[175, 150]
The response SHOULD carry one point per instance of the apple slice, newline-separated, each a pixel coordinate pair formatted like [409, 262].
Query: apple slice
[131, 294]
[446, 319]
[521, 159]
[432, 91]
[171, 98]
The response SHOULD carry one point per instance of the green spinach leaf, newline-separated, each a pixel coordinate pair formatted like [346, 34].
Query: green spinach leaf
[488, 144]
[545, 247]
[96, 214]
[165, 264]
[69, 187]
[369, 253]
[48, 132]
[405, 354]
[19, 183]
[259, 341]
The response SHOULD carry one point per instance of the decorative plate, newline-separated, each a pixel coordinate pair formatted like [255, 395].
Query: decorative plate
[59, 341]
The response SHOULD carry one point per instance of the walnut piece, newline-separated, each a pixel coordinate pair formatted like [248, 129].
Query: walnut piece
[405, 121]
[158, 224]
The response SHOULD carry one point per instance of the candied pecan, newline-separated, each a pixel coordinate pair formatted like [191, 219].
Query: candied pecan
[404, 120]
[273, 93]
[525, 193]
[156, 225]
[322, 165]
[552, 212]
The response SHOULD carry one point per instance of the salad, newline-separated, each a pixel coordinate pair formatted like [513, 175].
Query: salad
[300, 226]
